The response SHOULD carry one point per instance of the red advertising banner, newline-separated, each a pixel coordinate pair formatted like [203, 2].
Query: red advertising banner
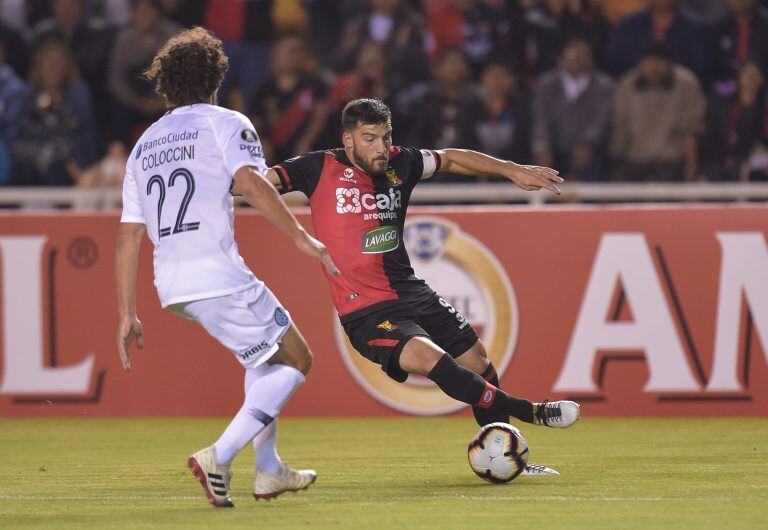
[633, 311]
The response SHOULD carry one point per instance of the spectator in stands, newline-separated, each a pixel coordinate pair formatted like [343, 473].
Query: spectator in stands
[736, 127]
[658, 115]
[742, 35]
[327, 19]
[14, 14]
[245, 27]
[134, 49]
[553, 23]
[89, 39]
[503, 128]
[449, 112]
[109, 172]
[56, 134]
[186, 13]
[368, 80]
[572, 109]
[475, 27]
[12, 90]
[399, 29]
[712, 11]
[290, 109]
[11, 39]
[691, 41]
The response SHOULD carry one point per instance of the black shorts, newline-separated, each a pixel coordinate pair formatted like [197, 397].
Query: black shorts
[381, 335]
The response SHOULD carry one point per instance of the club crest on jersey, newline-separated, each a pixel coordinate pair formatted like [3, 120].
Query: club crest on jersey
[392, 177]
[387, 326]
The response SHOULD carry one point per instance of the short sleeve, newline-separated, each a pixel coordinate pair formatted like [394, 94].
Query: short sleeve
[301, 173]
[430, 163]
[240, 145]
[131, 205]
[417, 163]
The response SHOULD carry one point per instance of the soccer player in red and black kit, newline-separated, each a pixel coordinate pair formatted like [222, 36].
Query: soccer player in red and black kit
[359, 196]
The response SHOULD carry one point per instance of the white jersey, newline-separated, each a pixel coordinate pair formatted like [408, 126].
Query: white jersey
[177, 183]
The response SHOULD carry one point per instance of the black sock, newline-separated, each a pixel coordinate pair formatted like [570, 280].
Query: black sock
[465, 385]
[490, 415]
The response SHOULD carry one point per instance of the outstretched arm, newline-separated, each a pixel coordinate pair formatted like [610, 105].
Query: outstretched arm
[262, 195]
[529, 178]
[127, 246]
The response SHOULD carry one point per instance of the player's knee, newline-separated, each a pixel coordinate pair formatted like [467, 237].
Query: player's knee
[298, 357]
[480, 349]
[419, 356]
[304, 362]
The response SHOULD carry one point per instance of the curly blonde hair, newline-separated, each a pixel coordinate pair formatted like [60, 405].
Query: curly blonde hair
[188, 68]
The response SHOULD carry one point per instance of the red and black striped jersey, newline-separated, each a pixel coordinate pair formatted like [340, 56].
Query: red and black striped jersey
[360, 219]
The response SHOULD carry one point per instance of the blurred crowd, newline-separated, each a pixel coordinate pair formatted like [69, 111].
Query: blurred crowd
[603, 90]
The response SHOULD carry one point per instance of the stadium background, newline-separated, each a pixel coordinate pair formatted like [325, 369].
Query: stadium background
[641, 291]
[680, 289]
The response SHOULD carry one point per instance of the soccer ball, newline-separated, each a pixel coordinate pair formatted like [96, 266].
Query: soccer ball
[498, 452]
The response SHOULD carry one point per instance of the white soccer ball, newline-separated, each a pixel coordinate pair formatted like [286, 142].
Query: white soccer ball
[498, 452]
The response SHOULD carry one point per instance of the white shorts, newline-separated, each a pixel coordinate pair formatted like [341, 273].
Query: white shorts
[251, 323]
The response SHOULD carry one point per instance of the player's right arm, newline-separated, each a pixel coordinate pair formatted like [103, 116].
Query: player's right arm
[260, 192]
[529, 178]
[129, 237]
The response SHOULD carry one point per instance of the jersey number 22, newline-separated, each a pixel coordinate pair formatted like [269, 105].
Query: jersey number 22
[180, 225]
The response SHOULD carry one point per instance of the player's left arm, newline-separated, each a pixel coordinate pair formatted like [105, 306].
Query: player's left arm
[271, 176]
[529, 178]
[127, 247]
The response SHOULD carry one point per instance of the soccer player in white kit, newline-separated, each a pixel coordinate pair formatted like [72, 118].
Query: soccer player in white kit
[177, 189]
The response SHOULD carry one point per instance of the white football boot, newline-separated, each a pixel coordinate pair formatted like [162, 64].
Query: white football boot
[535, 469]
[213, 477]
[557, 414]
[268, 485]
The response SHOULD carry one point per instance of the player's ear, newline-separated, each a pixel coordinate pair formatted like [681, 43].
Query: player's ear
[346, 139]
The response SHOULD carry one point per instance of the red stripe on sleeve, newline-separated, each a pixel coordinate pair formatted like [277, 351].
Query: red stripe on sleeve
[284, 178]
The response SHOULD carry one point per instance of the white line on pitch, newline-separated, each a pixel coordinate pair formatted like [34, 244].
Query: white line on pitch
[384, 499]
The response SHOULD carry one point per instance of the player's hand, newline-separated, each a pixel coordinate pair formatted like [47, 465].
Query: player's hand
[316, 249]
[532, 178]
[128, 330]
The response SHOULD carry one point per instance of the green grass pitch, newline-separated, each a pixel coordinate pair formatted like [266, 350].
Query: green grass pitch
[389, 473]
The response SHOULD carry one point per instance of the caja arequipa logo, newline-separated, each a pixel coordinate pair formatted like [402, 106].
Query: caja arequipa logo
[347, 200]
[473, 284]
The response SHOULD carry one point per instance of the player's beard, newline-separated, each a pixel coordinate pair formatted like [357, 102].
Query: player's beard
[368, 168]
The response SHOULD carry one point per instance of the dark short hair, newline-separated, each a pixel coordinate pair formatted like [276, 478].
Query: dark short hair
[364, 111]
[576, 40]
[657, 49]
[188, 68]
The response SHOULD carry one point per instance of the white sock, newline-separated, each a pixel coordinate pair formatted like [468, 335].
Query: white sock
[264, 443]
[263, 401]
